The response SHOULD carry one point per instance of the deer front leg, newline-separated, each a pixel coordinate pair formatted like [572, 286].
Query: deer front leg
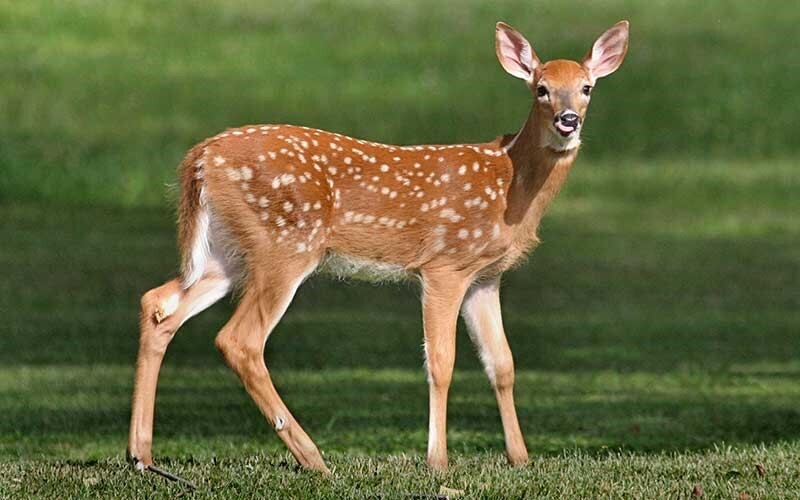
[481, 311]
[441, 301]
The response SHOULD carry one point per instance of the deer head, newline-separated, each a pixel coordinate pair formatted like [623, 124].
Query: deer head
[561, 88]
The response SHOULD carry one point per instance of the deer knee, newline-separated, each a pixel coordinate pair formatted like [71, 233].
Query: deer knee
[228, 347]
[156, 307]
[502, 373]
[160, 303]
[440, 371]
[438, 379]
[241, 357]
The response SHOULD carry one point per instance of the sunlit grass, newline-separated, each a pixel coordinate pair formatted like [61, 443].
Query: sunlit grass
[99, 100]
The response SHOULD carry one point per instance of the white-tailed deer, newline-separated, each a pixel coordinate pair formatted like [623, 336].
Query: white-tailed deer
[267, 205]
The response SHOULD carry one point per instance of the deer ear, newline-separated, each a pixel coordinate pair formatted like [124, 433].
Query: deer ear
[514, 52]
[608, 51]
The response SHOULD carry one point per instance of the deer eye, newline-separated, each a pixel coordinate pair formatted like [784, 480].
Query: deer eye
[587, 89]
[542, 91]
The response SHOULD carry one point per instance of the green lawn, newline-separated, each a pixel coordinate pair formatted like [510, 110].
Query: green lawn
[99, 98]
[655, 331]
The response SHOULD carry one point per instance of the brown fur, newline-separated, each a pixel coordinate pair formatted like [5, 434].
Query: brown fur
[428, 238]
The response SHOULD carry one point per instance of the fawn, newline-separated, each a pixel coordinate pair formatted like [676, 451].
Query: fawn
[265, 206]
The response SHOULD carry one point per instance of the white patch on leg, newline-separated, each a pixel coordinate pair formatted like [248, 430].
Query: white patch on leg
[433, 435]
[280, 423]
[219, 289]
[425, 362]
[484, 322]
[169, 306]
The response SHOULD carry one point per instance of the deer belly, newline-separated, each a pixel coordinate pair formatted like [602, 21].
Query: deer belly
[343, 266]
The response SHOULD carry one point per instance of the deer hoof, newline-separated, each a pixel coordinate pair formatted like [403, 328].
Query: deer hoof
[137, 464]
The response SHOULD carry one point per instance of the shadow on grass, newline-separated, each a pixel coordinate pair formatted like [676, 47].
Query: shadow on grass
[386, 411]
[642, 343]
[74, 277]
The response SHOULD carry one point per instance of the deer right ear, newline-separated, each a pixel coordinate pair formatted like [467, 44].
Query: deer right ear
[514, 52]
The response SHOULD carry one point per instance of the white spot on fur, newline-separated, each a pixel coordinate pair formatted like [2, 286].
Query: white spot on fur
[449, 213]
[233, 174]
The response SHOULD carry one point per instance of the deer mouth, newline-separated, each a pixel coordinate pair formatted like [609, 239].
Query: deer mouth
[565, 130]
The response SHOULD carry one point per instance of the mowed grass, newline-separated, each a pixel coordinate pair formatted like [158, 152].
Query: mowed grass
[654, 331]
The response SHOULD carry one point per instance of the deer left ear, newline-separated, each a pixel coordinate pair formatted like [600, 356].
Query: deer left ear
[608, 51]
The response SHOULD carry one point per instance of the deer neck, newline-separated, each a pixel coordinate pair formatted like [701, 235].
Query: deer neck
[538, 173]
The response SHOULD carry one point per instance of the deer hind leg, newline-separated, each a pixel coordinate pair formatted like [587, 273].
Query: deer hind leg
[242, 341]
[164, 309]
[481, 312]
[441, 300]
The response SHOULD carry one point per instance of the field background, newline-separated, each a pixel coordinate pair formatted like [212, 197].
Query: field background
[655, 331]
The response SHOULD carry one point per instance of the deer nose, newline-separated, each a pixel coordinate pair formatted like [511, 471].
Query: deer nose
[569, 119]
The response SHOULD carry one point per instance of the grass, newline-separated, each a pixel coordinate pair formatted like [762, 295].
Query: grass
[654, 331]
[723, 473]
[638, 376]
[99, 99]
